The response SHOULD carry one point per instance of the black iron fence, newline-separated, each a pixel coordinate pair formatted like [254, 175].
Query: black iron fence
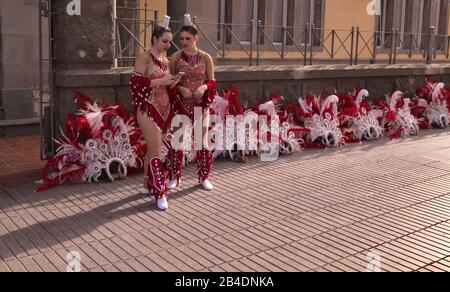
[132, 29]
[308, 45]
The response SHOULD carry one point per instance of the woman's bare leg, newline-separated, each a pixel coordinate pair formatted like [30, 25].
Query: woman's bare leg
[153, 138]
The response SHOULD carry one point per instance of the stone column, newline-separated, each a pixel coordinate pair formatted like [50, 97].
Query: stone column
[86, 40]
[83, 48]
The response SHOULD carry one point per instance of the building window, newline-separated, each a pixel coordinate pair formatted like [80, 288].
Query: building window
[290, 22]
[279, 19]
[260, 7]
[128, 27]
[385, 22]
[247, 13]
[226, 18]
[295, 15]
[238, 14]
[316, 19]
[412, 19]
[292, 14]
[442, 24]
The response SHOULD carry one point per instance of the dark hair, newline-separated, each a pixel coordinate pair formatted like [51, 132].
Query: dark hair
[159, 32]
[190, 29]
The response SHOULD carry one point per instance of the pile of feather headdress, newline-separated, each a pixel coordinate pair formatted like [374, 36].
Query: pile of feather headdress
[331, 120]
[98, 140]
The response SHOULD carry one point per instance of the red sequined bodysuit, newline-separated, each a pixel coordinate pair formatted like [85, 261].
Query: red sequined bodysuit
[160, 97]
[194, 77]
[194, 67]
[154, 103]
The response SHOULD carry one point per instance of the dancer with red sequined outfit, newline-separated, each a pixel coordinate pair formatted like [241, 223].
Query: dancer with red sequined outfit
[150, 86]
[196, 88]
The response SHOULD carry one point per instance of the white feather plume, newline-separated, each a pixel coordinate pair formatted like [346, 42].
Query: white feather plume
[166, 22]
[187, 19]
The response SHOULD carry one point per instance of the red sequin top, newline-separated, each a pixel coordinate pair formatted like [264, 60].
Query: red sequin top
[155, 102]
[195, 74]
[159, 97]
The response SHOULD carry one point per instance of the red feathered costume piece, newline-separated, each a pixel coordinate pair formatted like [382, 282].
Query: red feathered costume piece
[96, 138]
[397, 119]
[290, 136]
[323, 123]
[357, 120]
[430, 106]
[141, 94]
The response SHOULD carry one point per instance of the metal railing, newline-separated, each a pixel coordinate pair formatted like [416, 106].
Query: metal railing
[132, 27]
[306, 45]
[46, 58]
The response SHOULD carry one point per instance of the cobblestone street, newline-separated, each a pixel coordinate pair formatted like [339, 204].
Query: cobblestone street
[318, 210]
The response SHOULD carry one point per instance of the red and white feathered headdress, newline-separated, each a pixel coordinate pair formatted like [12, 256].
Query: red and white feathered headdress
[430, 107]
[358, 121]
[97, 139]
[397, 119]
[323, 124]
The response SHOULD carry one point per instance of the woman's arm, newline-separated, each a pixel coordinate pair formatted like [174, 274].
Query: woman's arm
[173, 66]
[141, 66]
[209, 67]
[209, 85]
[141, 63]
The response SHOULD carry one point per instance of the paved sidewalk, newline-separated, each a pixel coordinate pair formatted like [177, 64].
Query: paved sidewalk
[20, 161]
[332, 210]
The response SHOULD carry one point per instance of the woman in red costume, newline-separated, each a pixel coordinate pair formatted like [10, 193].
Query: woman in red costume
[196, 88]
[150, 86]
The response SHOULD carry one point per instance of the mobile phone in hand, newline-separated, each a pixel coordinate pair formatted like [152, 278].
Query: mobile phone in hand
[179, 75]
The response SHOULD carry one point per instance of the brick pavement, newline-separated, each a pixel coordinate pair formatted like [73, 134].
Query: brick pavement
[312, 211]
[20, 161]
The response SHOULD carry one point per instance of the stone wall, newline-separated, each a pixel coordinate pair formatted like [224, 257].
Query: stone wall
[257, 83]
[19, 43]
[2, 109]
